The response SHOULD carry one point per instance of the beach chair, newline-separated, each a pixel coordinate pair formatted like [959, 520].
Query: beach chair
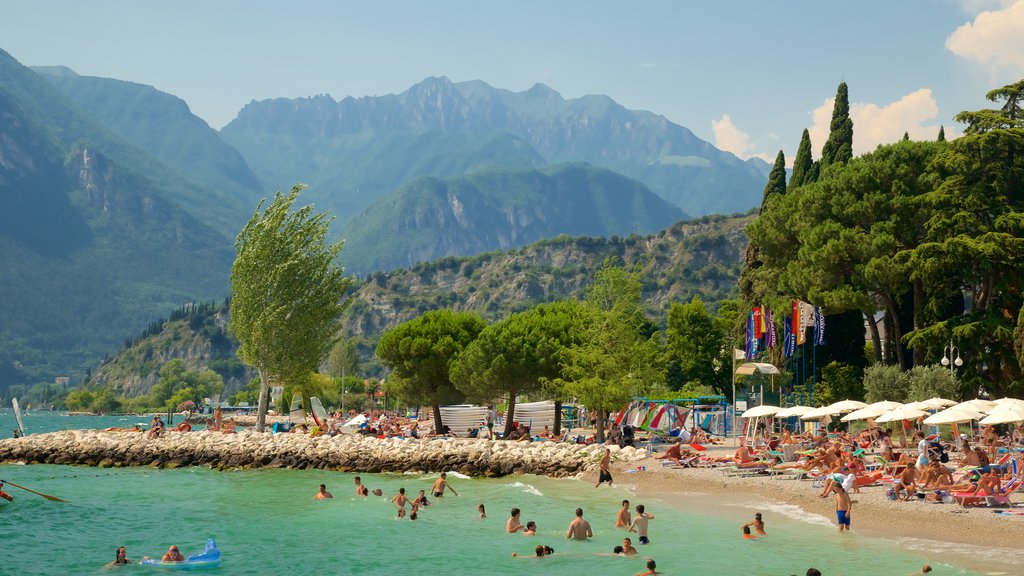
[1003, 499]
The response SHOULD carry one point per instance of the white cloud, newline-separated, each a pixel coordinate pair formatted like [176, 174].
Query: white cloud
[874, 124]
[995, 38]
[731, 139]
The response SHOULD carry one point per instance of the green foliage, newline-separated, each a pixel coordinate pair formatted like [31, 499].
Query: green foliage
[1009, 115]
[178, 384]
[617, 358]
[421, 353]
[931, 381]
[838, 149]
[840, 382]
[520, 353]
[942, 134]
[344, 358]
[696, 348]
[79, 400]
[886, 382]
[287, 293]
[776, 179]
[803, 164]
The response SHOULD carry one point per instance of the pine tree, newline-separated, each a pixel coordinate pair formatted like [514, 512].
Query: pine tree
[776, 186]
[906, 136]
[776, 179]
[942, 134]
[803, 164]
[838, 148]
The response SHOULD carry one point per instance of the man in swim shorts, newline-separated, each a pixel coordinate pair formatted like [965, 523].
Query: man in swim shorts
[323, 494]
[360, 489]
[440, 484]
[605, 474]
[843, 507]
[639, 524]
[579, 529]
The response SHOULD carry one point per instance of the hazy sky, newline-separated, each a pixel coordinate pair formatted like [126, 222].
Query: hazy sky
[747, 76]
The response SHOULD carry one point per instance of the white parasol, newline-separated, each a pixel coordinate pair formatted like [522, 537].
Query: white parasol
[979, 405]
[847, 406]
[886, 405]
[901, 413]
[819, 413]
[1004, 414]
[762, 410]
[793, 411]
[941, 402]
[864, 414]
[954, 415]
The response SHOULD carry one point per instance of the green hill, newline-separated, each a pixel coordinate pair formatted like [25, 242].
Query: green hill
[499, 209]
[697, 257]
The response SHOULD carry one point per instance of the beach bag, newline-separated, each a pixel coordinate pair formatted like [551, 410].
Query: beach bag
[890, 494]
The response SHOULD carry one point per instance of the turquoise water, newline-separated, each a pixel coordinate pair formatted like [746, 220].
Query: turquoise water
[266, 522]
[38, 422]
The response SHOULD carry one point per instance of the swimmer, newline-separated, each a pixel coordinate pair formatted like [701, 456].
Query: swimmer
[579, 529]
[639, 524]
[747, 535]
[377, 492]
[514, 525]
[623, 518]
[843, 507]
[480, 509]
[120, 558]
[400, 499]
[627, 547]
[531, 529]
[360, 489]
[420, 500]
[651, 569]
[539, 551]
[323, 494]
[440, 484]
[173, 555]
[758, 524]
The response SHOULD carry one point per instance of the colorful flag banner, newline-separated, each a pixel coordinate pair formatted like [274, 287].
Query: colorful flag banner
[819, 328]
[770, 335]
[788, 338]
[758, 322]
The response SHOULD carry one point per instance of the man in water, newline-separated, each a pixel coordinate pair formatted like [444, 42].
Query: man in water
[440, 484]
[323, 494]
[639, 524]
[623, 517]
[579, 529]
[514, 525]
[360, 489]
[120, 558]
[758, 524]
[843, 507]
[400, 500]
[605, 475]
[531, 529]
[420, 500]
[627, 547]
[172, 555]
[651, 569]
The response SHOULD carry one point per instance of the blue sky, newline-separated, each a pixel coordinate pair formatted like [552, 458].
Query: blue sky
[748, 76]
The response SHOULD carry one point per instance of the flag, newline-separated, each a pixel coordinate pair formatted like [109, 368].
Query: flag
[751, 339]
[798, 321]
[770, 335]
[758, 322]
[819, 328]
[788, 340]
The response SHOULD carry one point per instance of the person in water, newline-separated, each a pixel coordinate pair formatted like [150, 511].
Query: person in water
[622, 519]
[5, 495]
[639, 524]
[758, 524]
[360, 489]
[323, 494]
[420, 500]
[172, 555]
[747, 535]
[651, 569]
[627, 547]
[440, 484]
[531, 529]
[605, 475]
[514, 525]
[481, 510]
[120, 558]
[400, 499]
[579, 529]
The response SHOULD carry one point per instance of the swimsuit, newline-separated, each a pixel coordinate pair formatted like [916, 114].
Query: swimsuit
[843, 517]
[437, 494]
[643, 540]
[605, 476]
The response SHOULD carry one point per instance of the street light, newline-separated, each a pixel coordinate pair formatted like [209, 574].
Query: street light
[947, 353]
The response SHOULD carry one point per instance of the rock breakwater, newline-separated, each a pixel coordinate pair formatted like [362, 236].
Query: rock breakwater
[349, 453]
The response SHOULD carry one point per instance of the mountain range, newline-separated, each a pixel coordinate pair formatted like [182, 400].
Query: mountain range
[117, 204]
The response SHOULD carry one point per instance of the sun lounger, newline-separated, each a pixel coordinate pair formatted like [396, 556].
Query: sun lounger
[1003, 499]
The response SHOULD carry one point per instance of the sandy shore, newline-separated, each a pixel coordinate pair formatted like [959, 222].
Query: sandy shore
[974, 537]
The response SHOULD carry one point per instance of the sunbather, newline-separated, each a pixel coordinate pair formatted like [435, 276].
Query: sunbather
[905, 482]
[674, 453]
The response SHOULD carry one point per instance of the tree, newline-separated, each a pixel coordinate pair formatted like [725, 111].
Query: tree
[421, 352]
[931, 381]
[838, 149]
[1010, 114]
[885, 382]
[942, 134]
[178, 384]
[694, 347]
[776, 186]
[287, 293]
[617, 358]
[519, 354]
[343, 360]
[803, 164]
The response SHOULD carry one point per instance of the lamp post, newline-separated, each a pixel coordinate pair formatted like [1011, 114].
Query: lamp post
[947, 355]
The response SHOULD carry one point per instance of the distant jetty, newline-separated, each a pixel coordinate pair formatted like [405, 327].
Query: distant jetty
[346, 453]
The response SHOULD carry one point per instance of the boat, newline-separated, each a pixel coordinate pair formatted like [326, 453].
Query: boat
[208, 558]
[17, 416]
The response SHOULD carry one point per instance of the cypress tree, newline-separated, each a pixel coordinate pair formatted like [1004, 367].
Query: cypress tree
[776, 186]
[839, 147]
[776, 179]
[942, 134]
[803, 164]
[906, 136]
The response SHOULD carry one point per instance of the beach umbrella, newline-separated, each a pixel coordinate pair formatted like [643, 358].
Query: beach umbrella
[819, 413]
[1009, 401]
[1003, 415]
[923, 405]
[847, 406]
[979, 405]
[793, 411]
[886, 405]
[864, 414]
[941, 402]
[954, 415]
[762, 410]
[901, 413]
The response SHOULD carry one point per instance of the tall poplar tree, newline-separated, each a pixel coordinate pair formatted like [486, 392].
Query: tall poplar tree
[838, 149]
[287, 293]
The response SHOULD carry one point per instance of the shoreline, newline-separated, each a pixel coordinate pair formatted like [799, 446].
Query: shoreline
[940, 532]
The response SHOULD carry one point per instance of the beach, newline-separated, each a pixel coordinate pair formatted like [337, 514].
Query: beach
[969, 536]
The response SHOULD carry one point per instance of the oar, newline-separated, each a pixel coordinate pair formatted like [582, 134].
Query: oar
[47, 496]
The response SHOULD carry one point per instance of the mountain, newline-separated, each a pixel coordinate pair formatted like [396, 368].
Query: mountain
[163, 126]
[94, 235]
[696, 257]
[499, 208]
[356, 150]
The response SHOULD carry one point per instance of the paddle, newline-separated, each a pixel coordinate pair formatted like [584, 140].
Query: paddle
[47, 496]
